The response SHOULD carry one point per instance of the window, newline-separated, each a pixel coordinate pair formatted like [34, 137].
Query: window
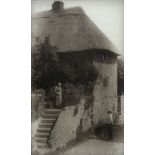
[106, 82]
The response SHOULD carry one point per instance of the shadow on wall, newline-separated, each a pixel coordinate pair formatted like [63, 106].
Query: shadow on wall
[71, 100]
[72, 94]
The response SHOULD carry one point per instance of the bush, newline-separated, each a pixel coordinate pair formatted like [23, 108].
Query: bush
[44, 62]
[48, 68]
[37, 105]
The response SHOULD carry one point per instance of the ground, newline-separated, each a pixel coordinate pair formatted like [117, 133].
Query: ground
[96, 147]
[96, 144]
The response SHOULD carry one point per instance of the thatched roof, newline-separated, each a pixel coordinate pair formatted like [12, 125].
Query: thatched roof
[70, 30]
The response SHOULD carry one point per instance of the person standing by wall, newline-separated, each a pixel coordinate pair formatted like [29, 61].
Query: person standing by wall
[58, 95]
[110, 125]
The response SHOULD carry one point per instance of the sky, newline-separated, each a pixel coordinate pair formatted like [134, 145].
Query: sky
[106, 14]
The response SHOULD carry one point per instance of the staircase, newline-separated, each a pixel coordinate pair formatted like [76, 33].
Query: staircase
[46, 125]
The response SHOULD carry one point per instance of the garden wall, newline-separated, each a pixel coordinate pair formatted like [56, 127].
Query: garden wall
[37, 103]
[72, 121]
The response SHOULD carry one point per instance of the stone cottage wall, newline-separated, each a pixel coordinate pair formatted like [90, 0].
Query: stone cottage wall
[105, 91]
[121, 109]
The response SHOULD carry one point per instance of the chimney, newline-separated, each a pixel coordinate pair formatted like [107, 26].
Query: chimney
[57, 6]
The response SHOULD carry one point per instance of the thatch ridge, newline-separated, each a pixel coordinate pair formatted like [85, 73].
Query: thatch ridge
[49, 14]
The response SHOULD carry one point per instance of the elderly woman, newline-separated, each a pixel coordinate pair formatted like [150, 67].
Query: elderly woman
[58, 95]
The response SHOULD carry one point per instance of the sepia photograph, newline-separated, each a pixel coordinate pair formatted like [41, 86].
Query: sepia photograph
[77, 77]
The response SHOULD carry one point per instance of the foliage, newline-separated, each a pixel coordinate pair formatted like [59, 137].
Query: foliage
[36, 106]
[81, 74]
[44, 62]
[48, 69]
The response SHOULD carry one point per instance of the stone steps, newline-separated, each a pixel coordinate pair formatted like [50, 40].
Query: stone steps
[42, 135]
[43, 146]
[41, 140]
[52, 111]
[49, 116]
[47, 130]
[46, 125]
[48, 121]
